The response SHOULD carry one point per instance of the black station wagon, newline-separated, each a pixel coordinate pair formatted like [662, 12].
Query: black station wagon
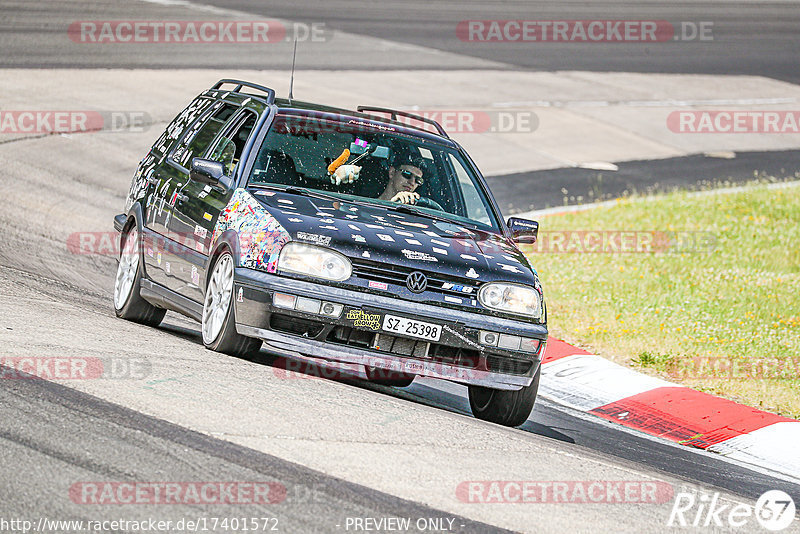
[366, 237]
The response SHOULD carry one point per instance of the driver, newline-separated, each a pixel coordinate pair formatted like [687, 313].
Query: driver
[405, 176]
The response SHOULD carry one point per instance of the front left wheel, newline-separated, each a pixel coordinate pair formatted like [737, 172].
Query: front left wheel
[219, 322]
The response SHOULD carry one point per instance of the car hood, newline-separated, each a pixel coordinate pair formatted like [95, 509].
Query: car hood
[375, 234]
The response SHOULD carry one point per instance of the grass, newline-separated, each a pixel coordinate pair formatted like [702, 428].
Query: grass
[721, 314]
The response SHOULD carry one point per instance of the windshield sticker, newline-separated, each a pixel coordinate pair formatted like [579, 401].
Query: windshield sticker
[471, 273]
[417, 255]
[261, 237]
[375, 125]
[314, 238]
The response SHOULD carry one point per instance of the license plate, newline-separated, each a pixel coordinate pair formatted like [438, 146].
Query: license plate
[410, 327]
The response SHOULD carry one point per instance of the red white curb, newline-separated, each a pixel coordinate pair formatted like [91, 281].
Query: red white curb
[588, 383]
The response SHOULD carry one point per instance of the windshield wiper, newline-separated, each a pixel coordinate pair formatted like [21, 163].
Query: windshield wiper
[302, 191]
[405, 208]
[293, 189]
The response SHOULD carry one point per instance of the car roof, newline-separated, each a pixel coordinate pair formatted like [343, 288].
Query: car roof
[299, 107]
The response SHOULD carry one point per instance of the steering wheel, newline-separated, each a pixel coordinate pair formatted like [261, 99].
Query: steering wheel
[425, 202]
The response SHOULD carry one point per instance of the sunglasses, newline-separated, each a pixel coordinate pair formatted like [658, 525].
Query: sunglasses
[408, 175]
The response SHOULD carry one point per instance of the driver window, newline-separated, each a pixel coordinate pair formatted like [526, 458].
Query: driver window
[230, 145]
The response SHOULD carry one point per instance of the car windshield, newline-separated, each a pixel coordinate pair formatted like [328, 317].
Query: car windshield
[372, 162]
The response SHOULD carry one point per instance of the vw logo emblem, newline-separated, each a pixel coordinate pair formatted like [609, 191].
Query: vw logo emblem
[417, 282]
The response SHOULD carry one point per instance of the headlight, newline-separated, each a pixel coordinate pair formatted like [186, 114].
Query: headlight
[511, 298]
[315, 261]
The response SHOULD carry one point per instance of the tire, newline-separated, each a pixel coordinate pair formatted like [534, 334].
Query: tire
[128, 303]
[508, 408]
[388, 377]
[219, 321]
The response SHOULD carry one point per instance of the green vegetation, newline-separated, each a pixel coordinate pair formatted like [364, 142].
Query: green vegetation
[716, 307]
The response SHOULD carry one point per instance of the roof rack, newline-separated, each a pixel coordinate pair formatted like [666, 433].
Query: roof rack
[394, 113]
[239, 84]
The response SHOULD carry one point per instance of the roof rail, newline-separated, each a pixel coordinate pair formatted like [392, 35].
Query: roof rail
[239, 84]
[394, 113]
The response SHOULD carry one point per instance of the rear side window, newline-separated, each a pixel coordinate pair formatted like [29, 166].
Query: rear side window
[178, 125]
[202, 133]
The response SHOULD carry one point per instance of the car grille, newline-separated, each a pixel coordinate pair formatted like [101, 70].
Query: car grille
[397, 274]
[405, 347]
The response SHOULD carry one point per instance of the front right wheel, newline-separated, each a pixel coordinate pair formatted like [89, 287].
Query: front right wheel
[508, 408]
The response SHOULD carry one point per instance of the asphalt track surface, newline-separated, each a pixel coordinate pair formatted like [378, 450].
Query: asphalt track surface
[341, 448]
[570, 186]
[756, 38]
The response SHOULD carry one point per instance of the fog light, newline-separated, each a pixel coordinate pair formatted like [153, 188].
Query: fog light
[307, 305]
[331, 310]
[488, 338]
[282, 300]
[508, 342]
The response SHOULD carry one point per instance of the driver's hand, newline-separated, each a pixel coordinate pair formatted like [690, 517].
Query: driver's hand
[406, 197]
[345, 174]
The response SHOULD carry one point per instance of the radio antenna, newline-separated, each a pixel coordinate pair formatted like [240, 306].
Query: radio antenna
[291, 80]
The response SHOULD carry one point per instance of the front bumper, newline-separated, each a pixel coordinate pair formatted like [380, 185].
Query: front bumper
[457, 356]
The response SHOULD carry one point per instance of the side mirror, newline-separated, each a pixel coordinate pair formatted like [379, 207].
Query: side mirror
[522, 230]
[206, 171]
